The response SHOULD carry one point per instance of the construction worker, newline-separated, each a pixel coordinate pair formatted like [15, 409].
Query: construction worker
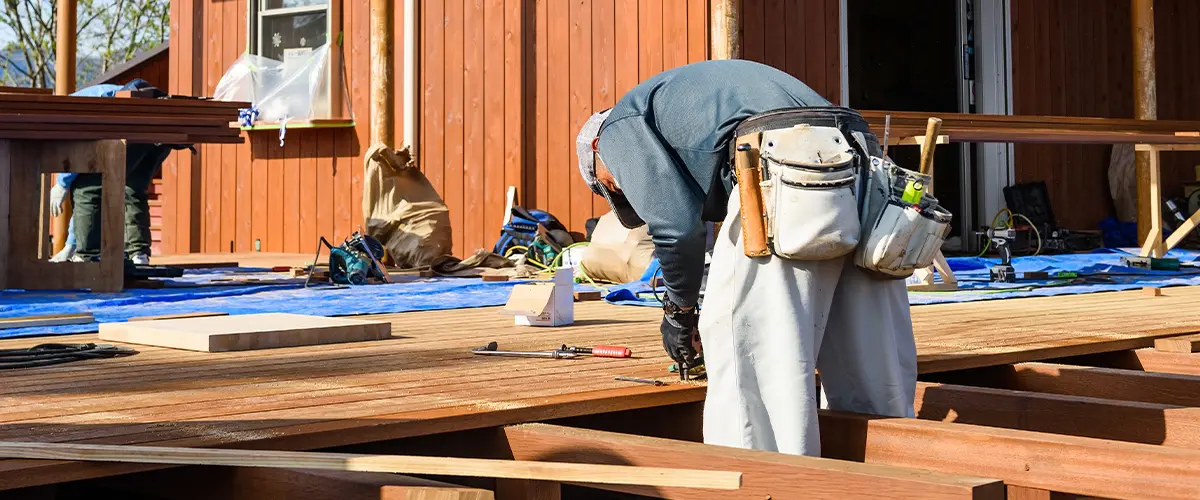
[142, 162]
[661, 157]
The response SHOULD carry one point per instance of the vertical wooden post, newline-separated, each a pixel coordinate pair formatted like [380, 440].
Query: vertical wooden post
[64, 84]
[725, 30]
[64, 52]
[383, 130]
[1145, 103]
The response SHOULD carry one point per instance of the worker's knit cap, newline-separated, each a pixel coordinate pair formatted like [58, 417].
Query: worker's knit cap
[583, 145]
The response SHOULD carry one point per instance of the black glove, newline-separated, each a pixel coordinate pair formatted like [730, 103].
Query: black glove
[679, 333]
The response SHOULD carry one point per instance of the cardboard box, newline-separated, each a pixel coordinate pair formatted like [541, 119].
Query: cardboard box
[544, 304]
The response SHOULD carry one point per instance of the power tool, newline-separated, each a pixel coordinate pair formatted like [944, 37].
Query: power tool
[355, 261]
[1002, 238]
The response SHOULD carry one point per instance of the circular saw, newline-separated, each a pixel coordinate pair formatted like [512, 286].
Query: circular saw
[353, 262]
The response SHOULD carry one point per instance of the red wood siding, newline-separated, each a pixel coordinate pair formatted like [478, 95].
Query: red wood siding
[155, 69]
[1075, 58]
[505, 85]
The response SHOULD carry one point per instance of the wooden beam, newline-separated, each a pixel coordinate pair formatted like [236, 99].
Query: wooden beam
[1145, 101]
[1150, 360]
[725, 30]
[1107, 383]
[466, 467]
[1128, 421]
[383, 126]
[65, 46]
[1052, 462]
[766, 475]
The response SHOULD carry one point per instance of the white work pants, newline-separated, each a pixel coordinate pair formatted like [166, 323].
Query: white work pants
[767, 323]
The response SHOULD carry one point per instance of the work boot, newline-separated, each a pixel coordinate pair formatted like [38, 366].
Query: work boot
[140, 259]
[80, 258]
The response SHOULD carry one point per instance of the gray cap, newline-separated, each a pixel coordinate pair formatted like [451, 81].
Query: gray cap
[583, 146]
[589, 135]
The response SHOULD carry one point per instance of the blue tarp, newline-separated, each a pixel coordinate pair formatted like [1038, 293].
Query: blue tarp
[415, 295]
[209, 291]
[972, 273]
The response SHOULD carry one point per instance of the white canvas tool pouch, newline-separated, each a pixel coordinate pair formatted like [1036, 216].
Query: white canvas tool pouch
[903, 227]
[809, 192]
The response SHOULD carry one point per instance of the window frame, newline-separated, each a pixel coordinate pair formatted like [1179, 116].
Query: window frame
[256, 11]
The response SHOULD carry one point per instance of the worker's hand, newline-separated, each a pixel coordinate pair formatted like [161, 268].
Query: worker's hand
[680, 335]
[57, 195]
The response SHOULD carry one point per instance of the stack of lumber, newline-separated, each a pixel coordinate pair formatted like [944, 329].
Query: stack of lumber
[138, 120]
[1037, 129]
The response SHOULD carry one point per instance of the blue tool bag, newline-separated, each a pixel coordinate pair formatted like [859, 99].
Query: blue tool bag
[521, 236]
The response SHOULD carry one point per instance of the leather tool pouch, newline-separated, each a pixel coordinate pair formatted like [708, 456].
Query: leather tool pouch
[811, 164]
[827, 192]
[808, 191]
[903, 227]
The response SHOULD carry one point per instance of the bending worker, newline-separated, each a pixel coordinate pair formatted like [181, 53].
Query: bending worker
[661, 157]
[142, 163]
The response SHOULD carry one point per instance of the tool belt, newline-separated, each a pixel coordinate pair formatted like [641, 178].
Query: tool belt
[813, 186]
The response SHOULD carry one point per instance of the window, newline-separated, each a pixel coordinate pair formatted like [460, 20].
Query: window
[285, 26]
[289, 30]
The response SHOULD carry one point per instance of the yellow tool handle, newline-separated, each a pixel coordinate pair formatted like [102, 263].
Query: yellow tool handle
[754, 226]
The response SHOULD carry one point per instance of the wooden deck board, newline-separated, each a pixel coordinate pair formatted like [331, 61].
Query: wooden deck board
[425, 380]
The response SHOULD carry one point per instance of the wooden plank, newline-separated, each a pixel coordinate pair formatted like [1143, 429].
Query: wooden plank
[765, 474]
[580, 106]
[454, 194]
[474, 155]
[604, 71]
[47, 320]
[1186, 344]
[559, 136]
[1127, 421]
[111, 155]
[510, 489]
[468, 467]
[433, 42]
[275, 208]
[518, 98]
[291, 193]
[492, 176]
[433, 493]
[1052, 462]
[245, 332]
[1023, 493]
[178, 316]
[256, 483]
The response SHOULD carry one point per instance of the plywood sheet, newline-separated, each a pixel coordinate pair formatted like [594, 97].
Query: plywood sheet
[245, 332]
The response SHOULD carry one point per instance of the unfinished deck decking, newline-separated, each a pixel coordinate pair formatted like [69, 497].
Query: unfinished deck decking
[426, 381]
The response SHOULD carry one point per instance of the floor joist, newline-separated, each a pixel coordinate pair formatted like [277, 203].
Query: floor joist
[1052, 462]
[1107, 383]
[1149, 360]
[765, 475]
[1128, 421]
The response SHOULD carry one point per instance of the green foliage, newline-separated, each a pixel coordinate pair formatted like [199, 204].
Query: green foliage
[110, 32]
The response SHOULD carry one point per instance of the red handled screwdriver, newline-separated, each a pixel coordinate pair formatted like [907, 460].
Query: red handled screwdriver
[600, 351]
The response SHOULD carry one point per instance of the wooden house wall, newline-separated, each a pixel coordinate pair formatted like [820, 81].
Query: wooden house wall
[505, 86]
[1075, 58]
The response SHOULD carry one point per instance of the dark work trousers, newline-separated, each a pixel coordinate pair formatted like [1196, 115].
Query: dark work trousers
[142, 162]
